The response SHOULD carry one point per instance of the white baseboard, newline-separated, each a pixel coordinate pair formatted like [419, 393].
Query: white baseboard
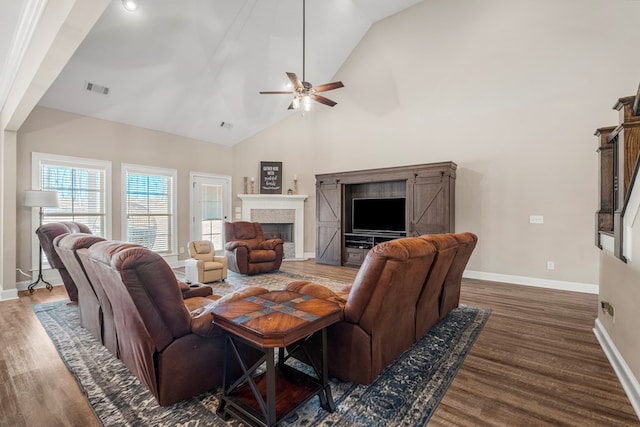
[533, 281]
[627, 379]
[9, 295]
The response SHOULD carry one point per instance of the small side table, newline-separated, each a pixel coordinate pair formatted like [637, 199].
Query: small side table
[276, 319]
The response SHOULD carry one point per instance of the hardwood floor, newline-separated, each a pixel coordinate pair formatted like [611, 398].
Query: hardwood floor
[536, 362]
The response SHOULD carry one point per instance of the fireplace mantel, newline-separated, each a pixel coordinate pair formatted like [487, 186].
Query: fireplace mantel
[276, 202]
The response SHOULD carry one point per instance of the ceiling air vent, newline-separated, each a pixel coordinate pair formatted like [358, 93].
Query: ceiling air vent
[92, 87]
[226, 125]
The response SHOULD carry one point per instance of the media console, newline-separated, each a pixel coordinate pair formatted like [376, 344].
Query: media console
[394, 202]
[358, 244]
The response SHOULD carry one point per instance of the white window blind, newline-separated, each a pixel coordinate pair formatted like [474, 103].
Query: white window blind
[150, 218]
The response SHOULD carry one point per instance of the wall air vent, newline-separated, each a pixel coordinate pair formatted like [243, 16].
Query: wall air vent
[92, 87]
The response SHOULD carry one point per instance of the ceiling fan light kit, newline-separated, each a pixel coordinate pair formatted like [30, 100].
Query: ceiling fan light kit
[303, 92]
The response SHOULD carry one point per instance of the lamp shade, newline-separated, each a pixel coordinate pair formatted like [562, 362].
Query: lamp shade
[41, 198]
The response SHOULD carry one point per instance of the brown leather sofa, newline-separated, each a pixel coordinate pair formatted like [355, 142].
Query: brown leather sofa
[46, 234]
[247, 250]
[395, 298]
[170, 344]
[379, 309]
[73, 248]
[450, 297]
[91, 315]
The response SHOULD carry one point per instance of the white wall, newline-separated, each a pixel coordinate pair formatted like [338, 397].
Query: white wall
[511, 91]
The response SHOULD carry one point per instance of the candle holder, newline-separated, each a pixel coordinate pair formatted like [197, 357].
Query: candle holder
[295, 186]
[253, 187]
[245, 189]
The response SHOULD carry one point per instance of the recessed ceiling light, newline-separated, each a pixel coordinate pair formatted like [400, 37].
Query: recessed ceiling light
[129, 5]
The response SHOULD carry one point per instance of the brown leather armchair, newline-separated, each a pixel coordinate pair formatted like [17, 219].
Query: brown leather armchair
[47, 233]
[247, 250]
[170, 346]
[379, 309]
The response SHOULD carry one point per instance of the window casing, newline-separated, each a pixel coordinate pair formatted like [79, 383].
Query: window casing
[149, 214]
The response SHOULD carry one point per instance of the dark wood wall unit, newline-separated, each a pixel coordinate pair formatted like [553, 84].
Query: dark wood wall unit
[608, 179]
[628, 133]
[619, 149]
[429, 190]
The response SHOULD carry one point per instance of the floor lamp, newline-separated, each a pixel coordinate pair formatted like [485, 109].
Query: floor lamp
[40, 199]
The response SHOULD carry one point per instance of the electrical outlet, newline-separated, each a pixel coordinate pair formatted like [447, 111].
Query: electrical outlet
[536, 219]
[551, 265]
[181, 250]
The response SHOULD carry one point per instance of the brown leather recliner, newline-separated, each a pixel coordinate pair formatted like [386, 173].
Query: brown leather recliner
[176, 353]
[247, 250]
[47, 233]
[379, 310]
[91, 315]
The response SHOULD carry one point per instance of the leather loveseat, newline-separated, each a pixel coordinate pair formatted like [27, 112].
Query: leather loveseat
[396, 297]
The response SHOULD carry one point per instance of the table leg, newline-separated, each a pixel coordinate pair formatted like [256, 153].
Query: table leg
[271, 387]
[227, 354]
[326, 398]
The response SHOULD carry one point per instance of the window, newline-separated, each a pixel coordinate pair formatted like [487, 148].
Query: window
[84, 193]
[150, 203]
[83, 186]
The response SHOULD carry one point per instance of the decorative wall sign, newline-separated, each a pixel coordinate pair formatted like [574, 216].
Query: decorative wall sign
[270, 177]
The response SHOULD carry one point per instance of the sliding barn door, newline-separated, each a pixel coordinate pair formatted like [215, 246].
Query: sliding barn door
[328, 220]
[431, 205]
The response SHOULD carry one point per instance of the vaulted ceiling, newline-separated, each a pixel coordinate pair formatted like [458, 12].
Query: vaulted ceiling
[185, 67]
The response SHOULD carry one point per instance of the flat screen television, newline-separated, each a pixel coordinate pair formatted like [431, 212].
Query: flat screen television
[383, 214]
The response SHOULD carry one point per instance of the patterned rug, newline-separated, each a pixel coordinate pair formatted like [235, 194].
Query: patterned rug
[405, 394]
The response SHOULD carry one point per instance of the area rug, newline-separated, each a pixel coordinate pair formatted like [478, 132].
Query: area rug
[405, 394]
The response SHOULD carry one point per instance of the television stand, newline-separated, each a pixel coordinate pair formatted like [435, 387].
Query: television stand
[357, 244]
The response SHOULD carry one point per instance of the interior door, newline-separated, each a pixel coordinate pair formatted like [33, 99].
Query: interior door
[210, 208]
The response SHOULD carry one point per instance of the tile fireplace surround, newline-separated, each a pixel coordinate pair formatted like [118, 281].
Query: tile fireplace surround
[278, 208]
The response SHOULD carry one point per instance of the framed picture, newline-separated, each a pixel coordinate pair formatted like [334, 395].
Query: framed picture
[270, 177]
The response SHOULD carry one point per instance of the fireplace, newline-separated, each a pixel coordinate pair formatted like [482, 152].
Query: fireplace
[279, 215]
[278, 231]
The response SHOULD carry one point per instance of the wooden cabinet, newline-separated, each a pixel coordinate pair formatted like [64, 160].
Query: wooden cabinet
[428, 190]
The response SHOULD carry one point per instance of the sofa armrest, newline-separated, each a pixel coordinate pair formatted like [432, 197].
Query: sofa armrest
[270, 244]
[316, 290]
[232, 246]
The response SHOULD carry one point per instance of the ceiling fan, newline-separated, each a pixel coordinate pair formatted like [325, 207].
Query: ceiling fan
[303, 91]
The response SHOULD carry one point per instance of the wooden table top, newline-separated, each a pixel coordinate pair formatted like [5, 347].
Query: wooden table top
[276, 318]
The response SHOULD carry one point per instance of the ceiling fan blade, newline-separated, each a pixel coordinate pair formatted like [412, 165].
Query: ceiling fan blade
[294, 80]
[272, 92]
[328, 86]
[323, 100]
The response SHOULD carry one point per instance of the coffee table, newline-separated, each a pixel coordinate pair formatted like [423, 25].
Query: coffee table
[286, 321]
